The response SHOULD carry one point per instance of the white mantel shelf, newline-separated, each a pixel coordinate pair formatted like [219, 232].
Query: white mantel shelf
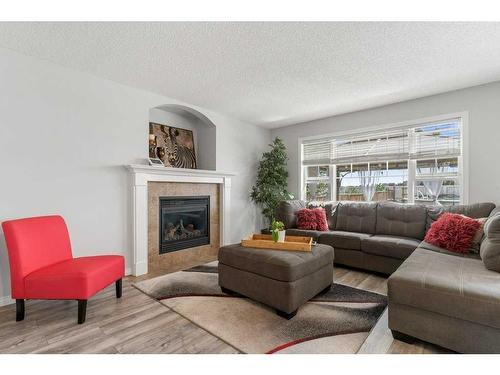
[141, 168]
[142, 174]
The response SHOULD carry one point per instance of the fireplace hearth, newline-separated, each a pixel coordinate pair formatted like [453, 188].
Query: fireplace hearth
[184, 222]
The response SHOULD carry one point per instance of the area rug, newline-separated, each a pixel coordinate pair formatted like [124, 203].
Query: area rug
[337, 321]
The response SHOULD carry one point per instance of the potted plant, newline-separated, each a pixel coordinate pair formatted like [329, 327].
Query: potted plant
[270, 188]
[278, 231]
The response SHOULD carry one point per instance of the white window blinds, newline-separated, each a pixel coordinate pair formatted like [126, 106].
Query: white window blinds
[436, 140]
[317, 152]
[416, 142]
[388, 145]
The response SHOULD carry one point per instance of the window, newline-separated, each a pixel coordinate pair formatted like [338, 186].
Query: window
[318, 186]
[414, 164]
[437, 181]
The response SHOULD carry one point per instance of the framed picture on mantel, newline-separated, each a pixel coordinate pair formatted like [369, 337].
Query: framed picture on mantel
[174, 146]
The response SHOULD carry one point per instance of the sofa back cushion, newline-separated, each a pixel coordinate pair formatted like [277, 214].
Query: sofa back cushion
[356, 217]
[475, 211]
[490, 247]
[398, 219]
[287, 212]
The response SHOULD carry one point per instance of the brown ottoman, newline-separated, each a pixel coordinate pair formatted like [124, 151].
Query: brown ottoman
[284, 280]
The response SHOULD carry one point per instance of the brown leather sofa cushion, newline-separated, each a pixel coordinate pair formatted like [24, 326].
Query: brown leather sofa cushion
[342, 239]
[389, 246]
[277, 265]
[356, 217]
[287, 212]
[398, 219]
[453, 286]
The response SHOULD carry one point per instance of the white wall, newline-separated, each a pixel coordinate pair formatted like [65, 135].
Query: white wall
[65, 137]
[482, 103]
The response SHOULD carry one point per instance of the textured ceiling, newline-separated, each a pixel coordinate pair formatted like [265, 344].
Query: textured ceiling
[272, 74]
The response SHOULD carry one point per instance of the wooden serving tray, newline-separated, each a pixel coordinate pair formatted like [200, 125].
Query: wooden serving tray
[265, 241]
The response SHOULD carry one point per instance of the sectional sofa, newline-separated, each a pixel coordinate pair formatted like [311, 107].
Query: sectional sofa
[438, 296]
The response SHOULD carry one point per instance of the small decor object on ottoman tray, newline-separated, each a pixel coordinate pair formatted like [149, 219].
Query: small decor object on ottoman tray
[266, 242]
[278, 231]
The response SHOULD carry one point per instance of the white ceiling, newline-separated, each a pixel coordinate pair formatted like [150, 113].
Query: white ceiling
[273, 74]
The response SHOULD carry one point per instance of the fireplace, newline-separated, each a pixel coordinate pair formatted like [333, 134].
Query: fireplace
[184, 222]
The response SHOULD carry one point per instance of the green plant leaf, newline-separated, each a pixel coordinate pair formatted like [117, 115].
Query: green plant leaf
[271, 183]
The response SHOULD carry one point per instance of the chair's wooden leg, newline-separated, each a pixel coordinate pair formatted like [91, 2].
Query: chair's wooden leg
[82, 310]
[19, 310]
[119, 288]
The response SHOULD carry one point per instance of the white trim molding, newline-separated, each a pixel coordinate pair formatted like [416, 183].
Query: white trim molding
[141, 175]
[6, 300]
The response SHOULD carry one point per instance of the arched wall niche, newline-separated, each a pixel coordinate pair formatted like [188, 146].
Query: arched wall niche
[204, 130]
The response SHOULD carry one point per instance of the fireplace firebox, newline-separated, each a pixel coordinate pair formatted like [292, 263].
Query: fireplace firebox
[184, 222]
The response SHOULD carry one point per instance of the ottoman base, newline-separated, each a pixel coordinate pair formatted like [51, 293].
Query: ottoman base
[228, 291]
[284, 296]
[286, 315]
[402, 337]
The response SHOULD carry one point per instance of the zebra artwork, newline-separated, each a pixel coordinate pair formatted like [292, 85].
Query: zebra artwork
[176, 145]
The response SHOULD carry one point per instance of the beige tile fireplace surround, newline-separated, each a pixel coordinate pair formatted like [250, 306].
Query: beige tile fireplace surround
[187, 257]
[148, 184]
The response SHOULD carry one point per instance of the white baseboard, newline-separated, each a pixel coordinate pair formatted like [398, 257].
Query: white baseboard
[6, 300]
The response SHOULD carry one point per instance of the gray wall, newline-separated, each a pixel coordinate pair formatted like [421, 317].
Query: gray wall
[482, 103]
[65, 137]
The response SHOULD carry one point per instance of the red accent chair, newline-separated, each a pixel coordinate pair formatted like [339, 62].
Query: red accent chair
[42, 265]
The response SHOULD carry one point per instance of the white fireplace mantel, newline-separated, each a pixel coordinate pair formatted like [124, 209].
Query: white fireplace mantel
[142, 174]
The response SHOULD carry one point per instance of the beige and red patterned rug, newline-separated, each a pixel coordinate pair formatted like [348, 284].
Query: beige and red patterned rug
[337, 321]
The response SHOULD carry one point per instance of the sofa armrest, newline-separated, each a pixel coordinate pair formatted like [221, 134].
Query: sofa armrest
[490, 246]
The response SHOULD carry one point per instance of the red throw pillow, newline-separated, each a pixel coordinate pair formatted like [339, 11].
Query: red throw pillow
[306, 219]
[312, 219]
[453, 232]
[321, 222]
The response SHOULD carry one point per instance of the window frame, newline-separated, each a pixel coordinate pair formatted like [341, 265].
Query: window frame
[463, 158]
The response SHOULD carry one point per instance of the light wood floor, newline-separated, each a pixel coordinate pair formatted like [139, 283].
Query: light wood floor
[138, 324]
